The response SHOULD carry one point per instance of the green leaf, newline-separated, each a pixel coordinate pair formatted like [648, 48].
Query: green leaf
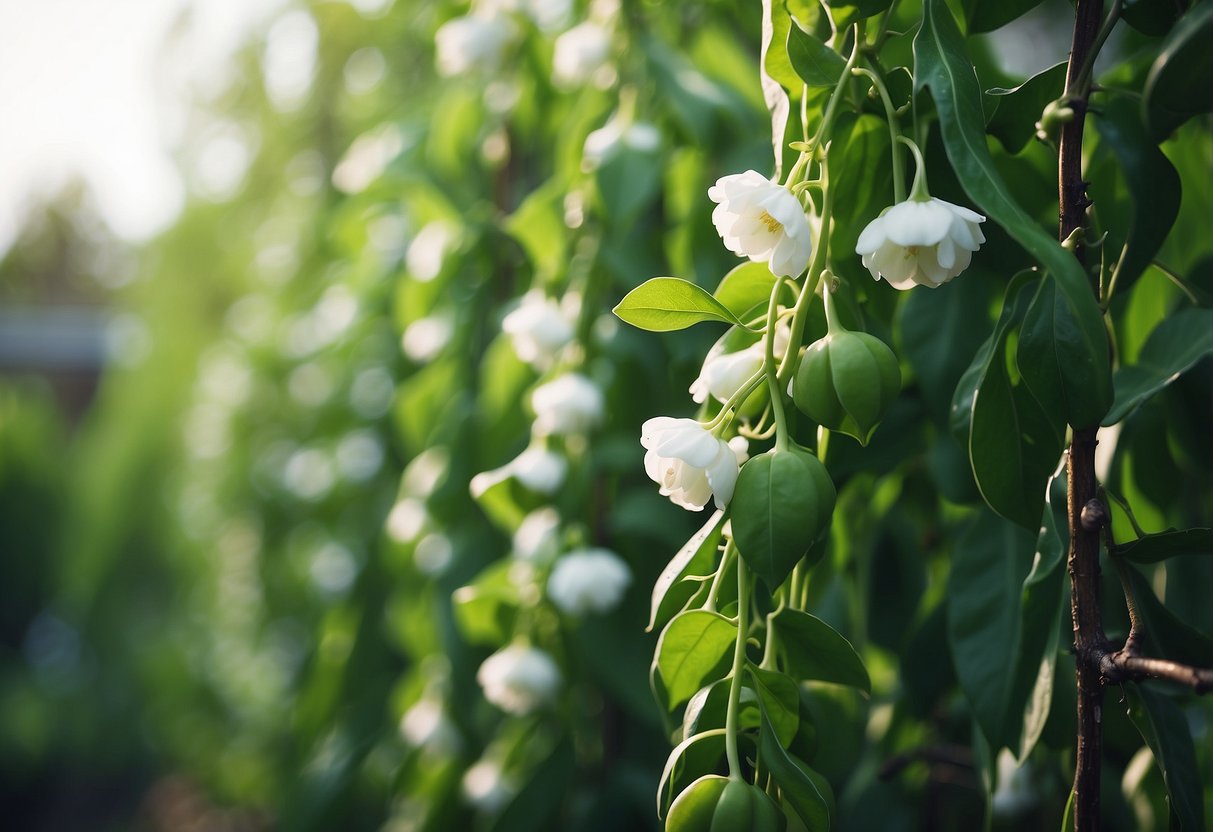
[811, 649]
[1177, 87]
[960, 414]
[748, 286]
[941, 65]
[989, 565]
[782, 504]
[485, 609]
[798, 789]
[697, 755]
[538, 226]
[534, 806]
[816, 64]
[1172, 348]
[707, 708]
[1152, 17]
[1041, 605]
[1165, 729]
[663, 304]
[780, 701]
[939, 333]
[692, 647]
[1014, 442]
[1154, 548]
[1049, 339]
[696, 557]
[861, 174]
[1154, 186]
[1013, 122]
[988, 15]
[627, 182]
[776, 74]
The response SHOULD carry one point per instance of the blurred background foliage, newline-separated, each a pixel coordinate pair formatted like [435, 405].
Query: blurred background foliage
[235, 510]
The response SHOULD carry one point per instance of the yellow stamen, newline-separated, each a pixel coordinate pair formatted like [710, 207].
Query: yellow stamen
[773, 225]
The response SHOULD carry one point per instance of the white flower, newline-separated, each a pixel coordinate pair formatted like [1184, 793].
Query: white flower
[690, 463]
[538, 329]
[570, 404]
[535, 539]
[588, 580]
[426, 725]
[920, 242]
[604, 142]
[539, 469]
[486, 787]
[548, 14]
[519, 678]
[472, 42]
[425, 338]
[762, 220]
[723, 373]
[579, 53]
[428, 250]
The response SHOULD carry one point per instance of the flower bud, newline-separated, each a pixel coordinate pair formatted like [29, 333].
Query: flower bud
[846, 382]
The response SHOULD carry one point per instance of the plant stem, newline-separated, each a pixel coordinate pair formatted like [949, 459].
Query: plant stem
[822, 136]
[816, 267]
[899, 177]
[731, 726]
[729, 551]
[782, 436]
[1083, 558]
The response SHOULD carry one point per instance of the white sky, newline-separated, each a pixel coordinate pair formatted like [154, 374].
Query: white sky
[86, 88]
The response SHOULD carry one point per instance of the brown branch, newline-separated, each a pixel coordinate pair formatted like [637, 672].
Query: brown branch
[1083, 557]
[1122, 666]
[1128, 664]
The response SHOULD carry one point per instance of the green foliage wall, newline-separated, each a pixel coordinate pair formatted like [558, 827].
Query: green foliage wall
[366, 539]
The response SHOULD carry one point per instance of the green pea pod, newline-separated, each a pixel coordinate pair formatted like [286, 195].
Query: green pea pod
[693, 809]
[846, 382]
[782, 505]
[746, 808]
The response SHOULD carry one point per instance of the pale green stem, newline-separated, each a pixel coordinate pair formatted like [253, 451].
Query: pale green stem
[811, 280]
[782, 436]
[883, 31]
[827, 120]
[768, 652]
[804, 113]
[729, 551]
[918, 191]
[797, 586]
[832, 322]
[793, 178]
[899, 183]
[731, 726]
[734, 400]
